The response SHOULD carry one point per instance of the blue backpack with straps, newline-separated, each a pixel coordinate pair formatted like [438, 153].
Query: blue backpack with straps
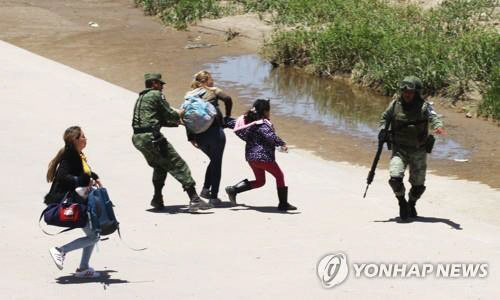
[198, 113]
[101, 214]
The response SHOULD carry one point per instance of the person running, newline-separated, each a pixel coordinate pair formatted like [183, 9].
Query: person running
[257, 131]
[67, 171]
[213, 140]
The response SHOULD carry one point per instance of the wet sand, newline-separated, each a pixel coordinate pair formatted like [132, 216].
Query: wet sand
[126, 44]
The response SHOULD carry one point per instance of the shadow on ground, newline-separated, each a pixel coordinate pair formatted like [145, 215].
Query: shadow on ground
[105, 279]
[265, 209]
[424, 220]
[182, 209]
[178, 209]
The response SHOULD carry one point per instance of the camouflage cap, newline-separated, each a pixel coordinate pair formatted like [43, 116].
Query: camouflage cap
[411, 83]
[153, 76]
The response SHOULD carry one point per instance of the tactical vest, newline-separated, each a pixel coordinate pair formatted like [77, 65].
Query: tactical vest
[410, 127]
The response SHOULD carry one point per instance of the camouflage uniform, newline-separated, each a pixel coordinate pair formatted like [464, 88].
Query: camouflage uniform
[151, 112]
[409, 125]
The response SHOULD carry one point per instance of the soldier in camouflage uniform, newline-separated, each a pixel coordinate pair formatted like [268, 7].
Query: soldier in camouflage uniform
[151, 112]
[408, 117]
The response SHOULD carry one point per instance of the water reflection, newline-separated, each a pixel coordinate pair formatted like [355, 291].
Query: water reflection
[336, 105]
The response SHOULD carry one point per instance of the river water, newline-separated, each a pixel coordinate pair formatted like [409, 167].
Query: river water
[336, 106]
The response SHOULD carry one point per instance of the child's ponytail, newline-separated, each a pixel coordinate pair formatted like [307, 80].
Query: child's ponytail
[258, 110]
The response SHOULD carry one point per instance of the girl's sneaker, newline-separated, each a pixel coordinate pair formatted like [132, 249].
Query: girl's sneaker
[88, 273]
[57, 256]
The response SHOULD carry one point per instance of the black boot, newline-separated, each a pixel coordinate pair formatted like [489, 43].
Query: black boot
[283, 197]
[157, 201]
[415, 193]
[403, 207]
[195, 202]
[159, 177]
[412, 211]
[240, 187]
[398, 187]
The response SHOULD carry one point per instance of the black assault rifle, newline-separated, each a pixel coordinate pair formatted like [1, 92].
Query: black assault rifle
[381, 140]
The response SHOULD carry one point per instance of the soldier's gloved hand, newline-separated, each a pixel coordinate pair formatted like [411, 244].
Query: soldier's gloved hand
[383, 135]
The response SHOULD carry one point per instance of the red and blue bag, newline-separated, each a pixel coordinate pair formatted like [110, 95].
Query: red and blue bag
[67, 213]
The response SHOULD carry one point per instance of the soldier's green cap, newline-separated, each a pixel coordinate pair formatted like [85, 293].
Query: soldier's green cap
[411, 83]
[153, 76]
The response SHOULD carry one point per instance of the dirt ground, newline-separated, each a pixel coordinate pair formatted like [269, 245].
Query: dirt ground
[126, 44]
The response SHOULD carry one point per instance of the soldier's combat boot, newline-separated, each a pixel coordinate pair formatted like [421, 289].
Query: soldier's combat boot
[283, 198]
[240, 187]
[157, 201]
[195, 202]
[403, 208]
[398, 187]
[415, 193]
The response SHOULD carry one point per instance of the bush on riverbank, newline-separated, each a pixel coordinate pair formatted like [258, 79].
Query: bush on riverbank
[491, 100]
[452, 47]
[180, 13]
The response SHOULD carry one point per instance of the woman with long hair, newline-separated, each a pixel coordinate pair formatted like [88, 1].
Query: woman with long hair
[213, 140]
[67, 171]
[257, 131]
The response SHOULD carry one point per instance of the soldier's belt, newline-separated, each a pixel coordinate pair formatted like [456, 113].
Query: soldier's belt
[143, 130]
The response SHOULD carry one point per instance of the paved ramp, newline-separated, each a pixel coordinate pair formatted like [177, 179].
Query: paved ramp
[243, 252]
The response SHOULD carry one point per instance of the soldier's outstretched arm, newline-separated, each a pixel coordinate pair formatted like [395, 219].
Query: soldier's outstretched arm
[169, 116]
[435, 121]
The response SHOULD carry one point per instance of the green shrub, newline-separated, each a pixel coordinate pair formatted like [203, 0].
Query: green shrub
[448, 47]
[180, 13]
[491, 99]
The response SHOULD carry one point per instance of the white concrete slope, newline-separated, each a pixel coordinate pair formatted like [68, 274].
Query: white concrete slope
[242, 252]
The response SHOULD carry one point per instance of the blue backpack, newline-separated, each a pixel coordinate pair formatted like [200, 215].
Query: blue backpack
[198, 114]
[101, 213]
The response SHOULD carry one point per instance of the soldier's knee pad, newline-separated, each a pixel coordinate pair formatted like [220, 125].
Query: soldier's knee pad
[417, 190]
[397, 185]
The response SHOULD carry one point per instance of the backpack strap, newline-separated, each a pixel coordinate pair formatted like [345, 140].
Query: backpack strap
[126, 245]
[121, 239]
